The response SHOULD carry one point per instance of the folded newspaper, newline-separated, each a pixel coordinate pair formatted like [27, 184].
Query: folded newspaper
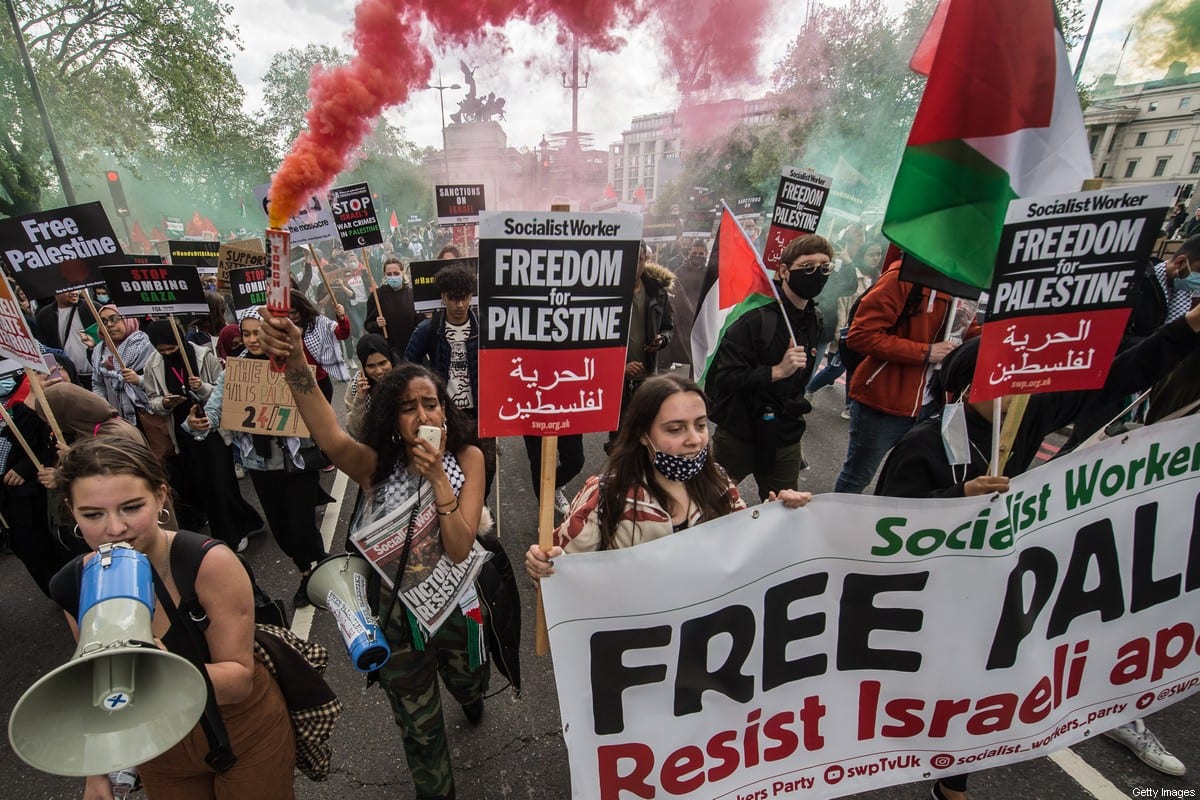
[432, 584]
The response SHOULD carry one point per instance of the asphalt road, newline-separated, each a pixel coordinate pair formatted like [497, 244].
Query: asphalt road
[518, 751]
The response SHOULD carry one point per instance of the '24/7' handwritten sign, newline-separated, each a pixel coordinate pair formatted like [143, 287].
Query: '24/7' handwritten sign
[258, 400]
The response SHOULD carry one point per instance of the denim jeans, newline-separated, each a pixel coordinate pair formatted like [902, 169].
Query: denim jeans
[872, 435]
[829, 373]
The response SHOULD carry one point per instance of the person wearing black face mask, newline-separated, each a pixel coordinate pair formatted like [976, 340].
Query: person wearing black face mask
[759, 373]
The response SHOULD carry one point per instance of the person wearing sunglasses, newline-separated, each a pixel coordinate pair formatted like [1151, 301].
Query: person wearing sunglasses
[760, 371]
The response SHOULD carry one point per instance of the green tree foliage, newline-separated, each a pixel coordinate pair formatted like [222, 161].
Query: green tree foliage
[145, 84]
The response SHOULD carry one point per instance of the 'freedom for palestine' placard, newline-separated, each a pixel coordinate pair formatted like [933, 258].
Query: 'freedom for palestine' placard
[554, 296]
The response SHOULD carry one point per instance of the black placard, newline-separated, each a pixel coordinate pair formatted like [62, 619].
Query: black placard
[459, 203]
[60, 250]
[354, 215]
[155, 289]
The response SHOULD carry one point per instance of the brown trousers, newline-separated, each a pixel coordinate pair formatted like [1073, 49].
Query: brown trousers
[260, 733]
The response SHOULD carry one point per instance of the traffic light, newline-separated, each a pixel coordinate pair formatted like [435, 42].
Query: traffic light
[118, 194]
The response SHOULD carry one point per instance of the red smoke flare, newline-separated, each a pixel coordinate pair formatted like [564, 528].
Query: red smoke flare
[708, 41]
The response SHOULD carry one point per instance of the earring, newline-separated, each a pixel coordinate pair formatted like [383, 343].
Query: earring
[163, 515]
[75, 530]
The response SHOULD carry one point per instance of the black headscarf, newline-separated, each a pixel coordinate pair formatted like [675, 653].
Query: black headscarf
[371, 344]
[160, 333]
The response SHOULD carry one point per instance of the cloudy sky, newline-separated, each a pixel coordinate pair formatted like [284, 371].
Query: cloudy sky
[528, 75]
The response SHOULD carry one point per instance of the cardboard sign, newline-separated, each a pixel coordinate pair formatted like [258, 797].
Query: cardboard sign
[239, 255]
[813, 661]
[155, 289]
[459, 204]
[17, 341]
[354, 215]
[424, 273]
[554, 301]
[258, 400]
[1067, 273]
[61, 250]
[799, 204]
[248, 287]
[201, 254]
[313, 223]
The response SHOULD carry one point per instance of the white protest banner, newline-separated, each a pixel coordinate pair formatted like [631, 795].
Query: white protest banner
[17, 342]
[257, 400]
[554, 296]
[313, 223]
[862, 641]
[1067, 272]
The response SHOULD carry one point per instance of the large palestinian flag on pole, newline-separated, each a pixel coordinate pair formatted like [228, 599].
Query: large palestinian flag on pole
[999, 119]
[735, 281]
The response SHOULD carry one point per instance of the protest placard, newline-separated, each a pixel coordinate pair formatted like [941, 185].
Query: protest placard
[747, 207]
[799, 203]
[354, 216]
[699, 224]
[199, 253]
[257, 400]
[248, 287]
[1067, 273]
[863, 641]
[554, 302]
[424, 273]
[660, 228]
[49, 252]
[239, 255]
[155, 289]
[17, 342]
[458, 204]
[313, 223]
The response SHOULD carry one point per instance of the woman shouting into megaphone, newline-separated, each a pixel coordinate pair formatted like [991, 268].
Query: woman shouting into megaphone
[117, 492]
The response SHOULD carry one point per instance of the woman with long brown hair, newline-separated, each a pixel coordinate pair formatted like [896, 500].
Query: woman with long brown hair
[660, 478]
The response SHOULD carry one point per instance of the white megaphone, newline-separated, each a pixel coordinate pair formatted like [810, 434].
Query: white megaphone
[119, 701]
[339, 583]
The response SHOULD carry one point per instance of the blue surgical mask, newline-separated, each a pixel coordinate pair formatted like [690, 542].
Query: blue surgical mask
[1189, 284]
[394, 281]
[7, 384]
[102, 299]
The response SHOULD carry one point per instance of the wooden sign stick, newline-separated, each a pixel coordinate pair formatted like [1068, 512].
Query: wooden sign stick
[100, 326]
[324, 278]
[20, 438]
[546, 527]
[379, 308]
[40, 393]
[187, 365]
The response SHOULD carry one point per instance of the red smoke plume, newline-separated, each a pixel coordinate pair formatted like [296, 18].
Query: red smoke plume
[709, 41]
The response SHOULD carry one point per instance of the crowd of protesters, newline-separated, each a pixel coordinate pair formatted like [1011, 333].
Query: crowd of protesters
[353, 322]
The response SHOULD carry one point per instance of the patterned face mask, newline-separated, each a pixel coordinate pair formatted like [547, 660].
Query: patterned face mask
[679, 468]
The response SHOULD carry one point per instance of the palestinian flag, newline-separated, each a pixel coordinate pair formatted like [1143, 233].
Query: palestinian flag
[999, 119]
[735, 281]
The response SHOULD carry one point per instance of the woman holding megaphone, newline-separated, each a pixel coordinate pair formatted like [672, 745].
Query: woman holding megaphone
[117, 492]
[415, 448]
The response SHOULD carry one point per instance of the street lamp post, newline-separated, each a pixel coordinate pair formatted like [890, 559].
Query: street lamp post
[441, 90]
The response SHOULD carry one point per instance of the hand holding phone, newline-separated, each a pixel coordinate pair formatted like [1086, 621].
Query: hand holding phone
[431, 434]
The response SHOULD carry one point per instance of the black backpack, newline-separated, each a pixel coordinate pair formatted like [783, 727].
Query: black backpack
[850, 357]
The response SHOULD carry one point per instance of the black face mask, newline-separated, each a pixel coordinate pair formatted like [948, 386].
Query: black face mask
[806, 285]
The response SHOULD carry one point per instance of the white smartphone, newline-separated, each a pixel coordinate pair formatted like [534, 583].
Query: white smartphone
[431, 434]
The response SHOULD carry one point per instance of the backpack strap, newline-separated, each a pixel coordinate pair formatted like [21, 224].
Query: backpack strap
[187, 552]
[220, 753]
